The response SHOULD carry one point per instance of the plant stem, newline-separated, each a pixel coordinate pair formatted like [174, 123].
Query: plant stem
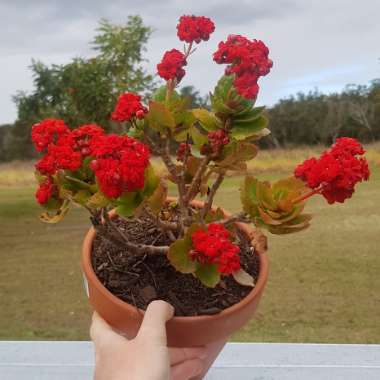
[188, 51]
[140, 249]
[179, 179]
[240, 217]
[307, 195]
[78, 181]
[196, 180]
[211, 195]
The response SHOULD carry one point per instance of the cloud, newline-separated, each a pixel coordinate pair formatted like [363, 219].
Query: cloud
[312, 43]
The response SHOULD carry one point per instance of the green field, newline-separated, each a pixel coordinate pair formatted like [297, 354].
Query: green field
[324, 283]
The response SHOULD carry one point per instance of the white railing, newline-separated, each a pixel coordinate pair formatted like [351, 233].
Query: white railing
[238, 361]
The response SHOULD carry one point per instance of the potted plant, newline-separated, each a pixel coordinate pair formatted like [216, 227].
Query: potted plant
[209, 264]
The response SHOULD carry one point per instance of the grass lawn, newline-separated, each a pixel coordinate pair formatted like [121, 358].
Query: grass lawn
[324, 283]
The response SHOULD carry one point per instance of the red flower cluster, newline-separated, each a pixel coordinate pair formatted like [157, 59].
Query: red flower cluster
[48, 132]
[218, 139]
[171, 65]
[65, 149]
[183, 149]
[215, 247]
[82, 136]
[120, 163]
[46, 191]
[337, 171]
[128, 106]
[194, 29]
[248, 60]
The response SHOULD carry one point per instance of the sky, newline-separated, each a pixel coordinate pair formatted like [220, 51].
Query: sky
[313, 43]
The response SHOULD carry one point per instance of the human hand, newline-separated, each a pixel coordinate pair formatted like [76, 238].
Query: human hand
[146, 357]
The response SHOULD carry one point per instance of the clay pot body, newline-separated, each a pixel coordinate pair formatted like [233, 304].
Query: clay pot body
[181, 331]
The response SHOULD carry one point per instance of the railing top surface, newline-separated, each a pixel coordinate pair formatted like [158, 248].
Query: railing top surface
[243, 361]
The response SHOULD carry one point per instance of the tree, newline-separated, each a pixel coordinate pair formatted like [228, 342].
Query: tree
[316, 118]
[121, 49]
[196, 100]
[85, 89]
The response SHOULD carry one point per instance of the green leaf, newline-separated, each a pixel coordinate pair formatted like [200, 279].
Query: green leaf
[178, 256]
[242, 130]
[159, 117]
[98, 200]
[208, 274]
[75, 182]
[198, 137]
[249, 113]
[58, 215]
[125, 210]
[207, 119]
[257, 136]
[243, 278]
[39, 177]
[236, 153]
[151, 181]
[192, 165]
[273, 206]
[82, 196]
[157, 200]
[184, 118]
[135, 133]
[226, 101]
[127, 203]
[214, 215]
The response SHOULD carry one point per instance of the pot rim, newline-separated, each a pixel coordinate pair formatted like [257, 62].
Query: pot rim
[260, 283]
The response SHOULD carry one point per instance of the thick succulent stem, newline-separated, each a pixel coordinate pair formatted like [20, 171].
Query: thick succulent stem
[105, 223]
[210, 198]
[194, 185]
[240, 217]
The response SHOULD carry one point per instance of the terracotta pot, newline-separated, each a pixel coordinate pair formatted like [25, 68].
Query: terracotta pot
[181, 331]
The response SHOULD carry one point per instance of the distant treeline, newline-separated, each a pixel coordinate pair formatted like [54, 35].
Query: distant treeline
[316, 118]
[304, 119]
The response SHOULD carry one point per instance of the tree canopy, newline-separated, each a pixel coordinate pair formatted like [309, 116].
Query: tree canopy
[84, 90]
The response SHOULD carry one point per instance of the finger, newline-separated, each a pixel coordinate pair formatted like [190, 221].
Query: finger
[101, 331]
[153, 326]
[186, 370]
[179, 355]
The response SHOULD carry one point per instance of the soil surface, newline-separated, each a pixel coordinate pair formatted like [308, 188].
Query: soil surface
[140, 280]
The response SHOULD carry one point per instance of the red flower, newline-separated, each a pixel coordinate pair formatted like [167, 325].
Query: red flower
[247, 59]
[214, 246]
[218, 139]
[80, 138]
[45, 191]
[336, 172]
[183, 149]
[120, 163]
[194, 29]
[47, 132]
[246, 85]
[46, 165]
[128, 106]
[171, 65]
[348, 145]
[59, 157]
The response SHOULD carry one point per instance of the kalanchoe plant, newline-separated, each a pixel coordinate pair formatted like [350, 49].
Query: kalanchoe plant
[101, 172]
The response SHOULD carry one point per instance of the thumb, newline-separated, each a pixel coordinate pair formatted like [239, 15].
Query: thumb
[101, 332]
[153, 327]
